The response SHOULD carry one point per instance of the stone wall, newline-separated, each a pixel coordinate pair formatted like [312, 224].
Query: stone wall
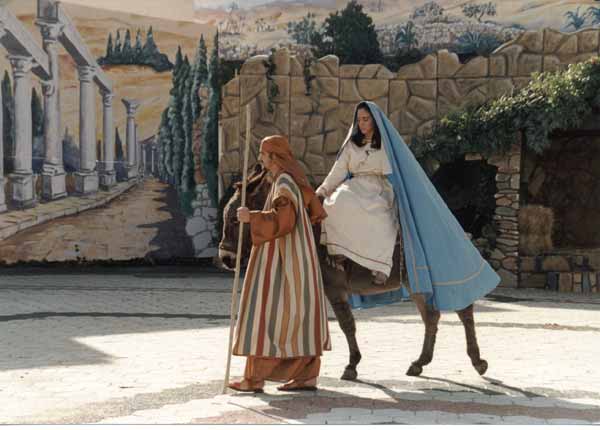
[316, 116]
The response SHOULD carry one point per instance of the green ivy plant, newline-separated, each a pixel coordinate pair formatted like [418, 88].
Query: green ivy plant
[272, 88]
[552, 101]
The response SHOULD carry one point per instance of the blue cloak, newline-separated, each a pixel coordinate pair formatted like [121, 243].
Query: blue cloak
[441, 261]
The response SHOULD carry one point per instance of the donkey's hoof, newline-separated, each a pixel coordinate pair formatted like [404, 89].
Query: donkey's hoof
[350, 374]
[481, 367]
[414, 370]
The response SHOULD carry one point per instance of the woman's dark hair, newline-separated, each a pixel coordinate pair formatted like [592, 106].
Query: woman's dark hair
[357, 137]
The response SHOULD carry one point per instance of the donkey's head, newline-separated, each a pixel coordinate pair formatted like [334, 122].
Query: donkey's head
[257, 190]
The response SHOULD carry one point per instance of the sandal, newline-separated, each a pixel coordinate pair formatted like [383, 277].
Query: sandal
[379, 278]
[245, 386]
[299, 386]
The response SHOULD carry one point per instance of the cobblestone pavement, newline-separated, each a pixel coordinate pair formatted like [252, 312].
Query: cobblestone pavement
[148, 346]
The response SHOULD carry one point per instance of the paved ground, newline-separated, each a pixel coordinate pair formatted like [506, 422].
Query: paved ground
[143, 222]
[137, 346]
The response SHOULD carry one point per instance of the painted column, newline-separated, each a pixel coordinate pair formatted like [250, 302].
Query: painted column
[87, 176]
[53, 172]
[153, 161]
[131, 106]
[108, 177]
[2, 195]
[22, 179]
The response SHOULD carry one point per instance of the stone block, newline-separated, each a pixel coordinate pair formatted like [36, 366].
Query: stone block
[368, 71]
[315, 162]
[23, 193]
[565, 282]
[532, 41]
[555, 263]
[512, 53]
[296, 67]
[422, 108]
[54, 186]
[230, 162]
[298, 146]
[332, 142]
[331, 120]
[302, 105]
[498, 67]
[510, 263]
[410, 71]
[478, 67]
[349, 91]
[88, 183]
[298, 87]
[232, 88]
[552, 40]
[315, 144]
[429, 66]
[424, 89]
[328, 87]
[251, 88]
[587, 41]
[533, 280]
[399, 94]
[384, 73]
[328, 66]
[202, 241]
[254, 66]
[405, 121]
[507, 278]
[350, 71]
[426, 128]
[568, 48]
[108, 180]
[195, 225]
[448, 64]
[230, 106]
[529, 63]
[371, 89]
[281, 60]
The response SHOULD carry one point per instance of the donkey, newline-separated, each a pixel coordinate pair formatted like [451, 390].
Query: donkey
[340, 282]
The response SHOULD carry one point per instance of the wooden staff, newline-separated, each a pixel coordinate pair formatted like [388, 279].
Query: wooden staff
[238, 256]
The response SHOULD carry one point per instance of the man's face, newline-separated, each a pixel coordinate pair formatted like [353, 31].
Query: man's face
[266, 161]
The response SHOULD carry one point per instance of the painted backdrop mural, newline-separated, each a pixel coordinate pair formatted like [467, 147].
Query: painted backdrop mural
[111, 108]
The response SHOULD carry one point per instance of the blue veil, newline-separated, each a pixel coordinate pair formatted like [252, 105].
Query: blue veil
[441, 261]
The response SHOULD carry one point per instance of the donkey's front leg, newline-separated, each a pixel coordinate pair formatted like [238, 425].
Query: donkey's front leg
[430, 318]
[466, 317]
[337, 293]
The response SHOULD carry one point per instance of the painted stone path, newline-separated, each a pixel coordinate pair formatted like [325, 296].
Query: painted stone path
[147, 346]
[144, 222]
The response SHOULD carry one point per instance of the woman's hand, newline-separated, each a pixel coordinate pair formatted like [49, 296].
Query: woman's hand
[321, 193]
[243, 214]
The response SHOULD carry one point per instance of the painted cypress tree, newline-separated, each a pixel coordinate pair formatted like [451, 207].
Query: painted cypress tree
[137, 52]
[200, 72]
[162, 143]
[118, 48]
[178, 138]
[8, 117]
[109, 47]
[167, 142]
[187, 174]
[210, 156]
[150, 47]
[127, 51]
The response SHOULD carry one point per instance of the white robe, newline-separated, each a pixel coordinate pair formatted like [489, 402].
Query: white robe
[361, 218]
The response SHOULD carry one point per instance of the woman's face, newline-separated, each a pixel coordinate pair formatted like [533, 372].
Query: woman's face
[365, 122]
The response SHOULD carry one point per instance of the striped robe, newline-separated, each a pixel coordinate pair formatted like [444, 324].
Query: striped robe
[282, 308]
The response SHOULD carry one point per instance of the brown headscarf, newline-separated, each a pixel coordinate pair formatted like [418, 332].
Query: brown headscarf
[281, 154]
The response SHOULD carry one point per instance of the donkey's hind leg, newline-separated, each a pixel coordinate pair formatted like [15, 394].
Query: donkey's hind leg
[430, 318]
[466, 317]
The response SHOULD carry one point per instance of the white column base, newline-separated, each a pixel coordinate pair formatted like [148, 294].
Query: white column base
[108, 180]
[54, 186]
[23, 190]
[132, 172]
[3, 207]
[86, 182]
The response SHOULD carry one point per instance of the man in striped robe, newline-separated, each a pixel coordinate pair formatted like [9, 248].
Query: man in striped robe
[282, 321]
